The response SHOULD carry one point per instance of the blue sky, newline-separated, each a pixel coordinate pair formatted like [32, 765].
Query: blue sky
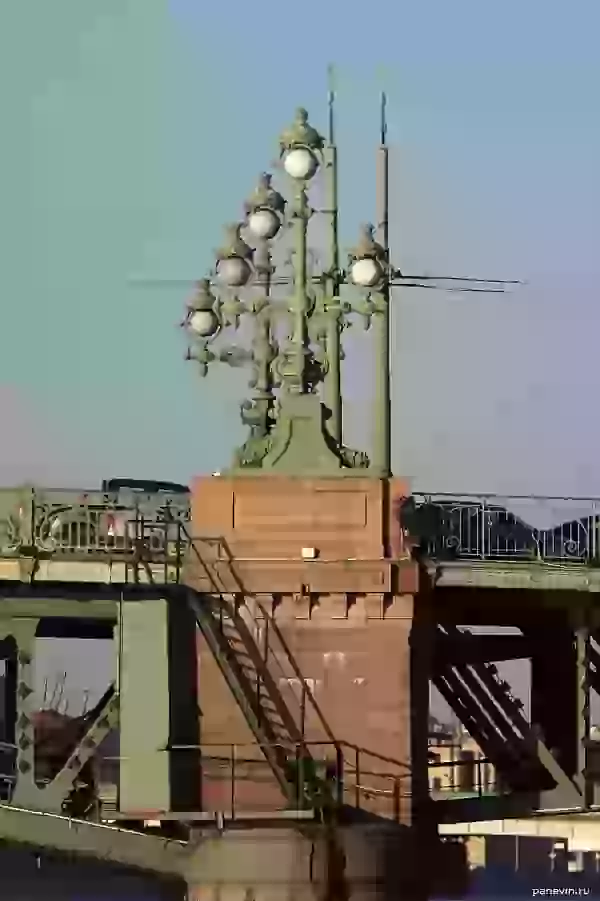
[133, 129]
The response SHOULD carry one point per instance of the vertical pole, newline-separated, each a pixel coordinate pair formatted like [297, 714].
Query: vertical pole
[233, 777]
[298, 382]
[383, 414]
[582, 644]
[332, 382]
[266, 642]
[25, 791]
[262, 344]
[160, 761]
[339, 768]
[303, 711]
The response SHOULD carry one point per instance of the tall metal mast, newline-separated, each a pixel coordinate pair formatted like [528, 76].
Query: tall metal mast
[382, 444]
[332, 393]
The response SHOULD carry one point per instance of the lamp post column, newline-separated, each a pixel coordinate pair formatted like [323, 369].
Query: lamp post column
[297, 381]
[369, 270]
[300, 147]
[383, 406]
[333, 382]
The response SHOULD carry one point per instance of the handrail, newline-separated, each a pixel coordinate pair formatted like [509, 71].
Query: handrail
[263, 620]
[270, 625]
[223, 764]
[482, 526]
[270, 620]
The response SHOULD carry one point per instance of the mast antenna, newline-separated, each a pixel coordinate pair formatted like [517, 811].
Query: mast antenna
[331, 104]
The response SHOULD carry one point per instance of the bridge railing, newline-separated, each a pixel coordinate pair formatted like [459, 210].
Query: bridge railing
[37, 521]
[500, 528]
[376, 781]
[237, 780]
[455, 773]
[43, 522]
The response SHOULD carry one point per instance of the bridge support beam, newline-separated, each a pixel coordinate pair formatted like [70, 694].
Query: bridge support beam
[19, 635]
[555, 687]
[159, 730]
[582, 660]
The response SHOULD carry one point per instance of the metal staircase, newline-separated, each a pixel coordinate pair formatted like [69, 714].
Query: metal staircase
[484, 704]
[594, 662]
[249, 649]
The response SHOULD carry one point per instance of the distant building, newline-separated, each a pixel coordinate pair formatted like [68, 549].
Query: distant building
[457, 764]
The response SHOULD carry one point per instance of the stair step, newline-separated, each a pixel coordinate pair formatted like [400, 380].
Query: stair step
[272, 712]
[275, 724]
[270, 708]
[249, 672]
[242, 656]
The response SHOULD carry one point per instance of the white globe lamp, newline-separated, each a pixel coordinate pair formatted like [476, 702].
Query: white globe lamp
[203, 323]
[300, 163]
[366, 272]
[233, 271]
[264, 223]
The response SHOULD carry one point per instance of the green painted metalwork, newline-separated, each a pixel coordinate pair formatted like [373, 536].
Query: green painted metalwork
[333, 310]
[92, 526]
[22, 632]
[582, 650]
[44, 829]
[459, 533]
[158, 686]
[143, 678]
[38, 522]
[295, 414]
[28, 785]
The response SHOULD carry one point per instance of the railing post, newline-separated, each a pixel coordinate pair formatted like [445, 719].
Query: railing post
[303, 711]
[339, 769]
[482, 518]
[266, 640]
[396, 793]
[259, 706]
[233, 775]
[300, 772]
[180, 536]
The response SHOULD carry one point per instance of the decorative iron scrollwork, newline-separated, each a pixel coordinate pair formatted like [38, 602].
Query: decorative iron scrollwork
[483, 529]
[51, 522]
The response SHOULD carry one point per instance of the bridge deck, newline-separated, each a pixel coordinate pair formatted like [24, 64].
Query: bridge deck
[515, 575]
[97, 840]
[580, 831]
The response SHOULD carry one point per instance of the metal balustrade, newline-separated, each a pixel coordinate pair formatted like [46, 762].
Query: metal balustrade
[454, 774]
[494, 528]
[238, 783]
[49, 522]
[40, 522]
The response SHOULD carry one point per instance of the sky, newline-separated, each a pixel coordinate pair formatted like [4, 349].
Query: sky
[134, 129]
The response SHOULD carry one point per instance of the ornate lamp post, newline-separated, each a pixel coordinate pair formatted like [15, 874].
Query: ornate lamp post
[295, 429]
[294, 415]
[369, 270]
